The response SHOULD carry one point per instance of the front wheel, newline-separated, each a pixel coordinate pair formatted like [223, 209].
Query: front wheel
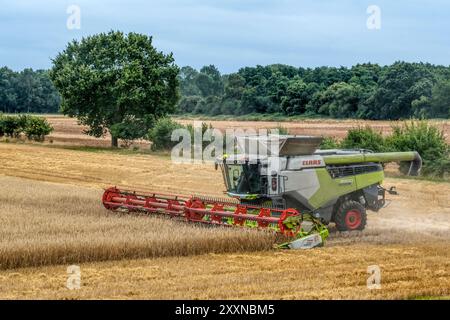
[350, 216]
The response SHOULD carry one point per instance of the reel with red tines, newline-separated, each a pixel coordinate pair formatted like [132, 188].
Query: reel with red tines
[214, 211]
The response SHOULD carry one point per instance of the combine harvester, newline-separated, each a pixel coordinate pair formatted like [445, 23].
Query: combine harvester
[295, 191]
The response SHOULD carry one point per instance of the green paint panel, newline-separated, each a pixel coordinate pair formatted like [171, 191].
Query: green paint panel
[334, 188]
[368, 179]
[370, 157]
[331, 188]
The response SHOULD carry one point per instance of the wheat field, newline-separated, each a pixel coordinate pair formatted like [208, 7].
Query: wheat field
[54, 218]
[45, 223]
[338, 272]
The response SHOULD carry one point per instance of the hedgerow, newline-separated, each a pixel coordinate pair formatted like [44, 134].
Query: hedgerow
[35, 128]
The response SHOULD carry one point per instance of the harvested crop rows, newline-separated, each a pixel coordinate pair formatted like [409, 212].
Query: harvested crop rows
[49, 225]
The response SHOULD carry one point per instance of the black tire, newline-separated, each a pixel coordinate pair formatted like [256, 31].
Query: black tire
[350, 216]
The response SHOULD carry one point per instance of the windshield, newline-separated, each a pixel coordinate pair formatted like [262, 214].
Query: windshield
[243, 178]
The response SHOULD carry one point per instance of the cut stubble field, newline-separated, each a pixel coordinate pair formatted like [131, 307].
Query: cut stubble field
[51, 216]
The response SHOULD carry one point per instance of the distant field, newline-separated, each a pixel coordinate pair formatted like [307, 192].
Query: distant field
[319, 127]
[68, 132]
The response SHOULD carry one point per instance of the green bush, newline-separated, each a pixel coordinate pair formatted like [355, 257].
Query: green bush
[280, 130]
[128, 130]
[205, 127]
[329, 143]
[420, 136]
[426, 139]
[364, 138]
[160, 135]
[13, 125]
[22, 123]
[35, 128]
[438, 169]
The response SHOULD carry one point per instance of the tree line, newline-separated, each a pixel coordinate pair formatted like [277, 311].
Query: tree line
[27, 91]
[366, 91]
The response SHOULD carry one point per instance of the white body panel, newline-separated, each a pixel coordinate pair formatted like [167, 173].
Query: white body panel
[308, 242]
[304, 182]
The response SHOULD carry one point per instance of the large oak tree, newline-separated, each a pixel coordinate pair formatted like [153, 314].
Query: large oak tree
[117, 83]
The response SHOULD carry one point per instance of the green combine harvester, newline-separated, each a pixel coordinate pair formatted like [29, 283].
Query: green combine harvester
[327, 185]
[288, 186]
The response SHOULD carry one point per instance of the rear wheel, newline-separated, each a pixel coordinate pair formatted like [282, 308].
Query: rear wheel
[351, 215]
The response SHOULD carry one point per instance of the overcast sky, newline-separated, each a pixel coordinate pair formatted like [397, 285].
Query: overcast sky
[236, 33]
